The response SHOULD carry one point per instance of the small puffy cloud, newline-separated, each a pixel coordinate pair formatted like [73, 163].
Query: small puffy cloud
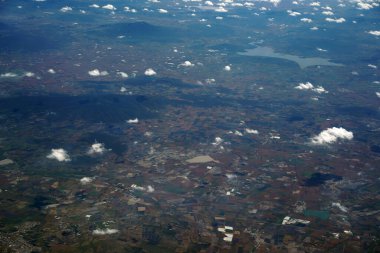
[217, 141]
[29, 74]
[109, 7]
[331, 135]
[314, 28]
[306, 20]
[378, 94]
[86, 180]
[321, 49]
[150, 72]
[315, 4]
[236, 132]
[162, 11]
[210, 80]
[231, 176]
[372, 66]
[187, 64]
[133, 121]
[320, 90]
[304, 86]
[106, 231]
[328, 13]
[376, 33]
[227, 68]
[220, 9]
[122, 74]
[94, 6]
[310, 86]
[8, 75]
[96, 148]
[66, 9]
[340, 206]
[251, 131]
[149, 188]
[59, 154]
[364, 6]
[128, 9]
[336, 20]
[274, 2]
[293, 13]
[97, 72]
[209, 3]
[51, 71]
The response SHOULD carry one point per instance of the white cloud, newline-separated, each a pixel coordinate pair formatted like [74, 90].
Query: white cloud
[86, 180]
[96, 148]
[335, 20]
[59, 154]
[221, 9]
[251, 131]
[96, 72]
[288, 220]
[187, 64]
[162, 11]
[376, 33]
[51, 71]
[210, 80]
[331, 135]
[378, 94]
[372, 66]
[293, 13]
[328, 13]
[306, 20]
[106, 231]
[231, 176]
[133, 121]
[29, 74]
[310, 86]
[218, 141]
[320, 89]
[364, 6]
[209, 3]
[315, 4]
[66, 9]
[227, 68]
[274, 2]
[8, 75]
[304, 86]
[109, 7]
[238, 133]
[150, 72]
[94, 6]
[149, 188]
[340, 206]
[122, 74]
[321, 49]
